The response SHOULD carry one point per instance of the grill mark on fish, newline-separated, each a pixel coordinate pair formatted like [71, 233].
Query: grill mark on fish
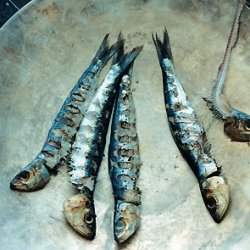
[48, 153]
[73, 109]
[126, 138]
[78, 97]
[125, 125]
[190, 136]
[56, 144]
[67, 121]
[91, 75]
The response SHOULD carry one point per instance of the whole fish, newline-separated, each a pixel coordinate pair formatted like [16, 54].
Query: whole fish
[190, 136]
[87, 150]
[124, 163]
[61, 135]
[236, 123]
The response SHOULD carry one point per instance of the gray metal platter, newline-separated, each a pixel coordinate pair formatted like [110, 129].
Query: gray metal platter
[44, 49]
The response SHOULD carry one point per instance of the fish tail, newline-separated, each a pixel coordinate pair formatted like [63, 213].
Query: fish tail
[129, 69]
[105, 52]
[127, 60]
[119, 55]
[163, 48]
[120, 52]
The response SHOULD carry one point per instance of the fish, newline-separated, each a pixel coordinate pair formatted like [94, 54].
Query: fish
[189, 135]
[88, 148]
[236, 122]
[61, 135]
[124, 162]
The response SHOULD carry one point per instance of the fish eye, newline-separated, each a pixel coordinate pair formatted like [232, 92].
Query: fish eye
[24, 175]
[211, 203]
[247, 126]
[89, 218]
[119, 224]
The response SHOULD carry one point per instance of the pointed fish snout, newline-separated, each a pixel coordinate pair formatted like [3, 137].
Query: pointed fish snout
[30, 178]
[16, 184]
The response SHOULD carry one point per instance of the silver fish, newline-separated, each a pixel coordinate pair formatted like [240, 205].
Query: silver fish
[236, 123]
[124, 163]
[88, 150]
[190, 136]
[61, 135]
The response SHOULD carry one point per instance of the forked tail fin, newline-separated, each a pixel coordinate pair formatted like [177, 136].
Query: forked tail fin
[127, 60]
[119, 58]
[163, 48]
[120, 52]
[105, 52]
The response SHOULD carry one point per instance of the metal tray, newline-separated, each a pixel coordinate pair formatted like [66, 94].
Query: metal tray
[44, 49]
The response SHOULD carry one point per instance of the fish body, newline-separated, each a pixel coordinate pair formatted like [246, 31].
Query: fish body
[190, 136]
[57, 146]
[88, 148]
[124, 163]
[236, 122]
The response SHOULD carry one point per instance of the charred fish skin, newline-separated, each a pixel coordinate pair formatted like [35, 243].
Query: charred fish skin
[60, 137]
[124, 163]
[88, 148]
[190, 136]
[236, 122]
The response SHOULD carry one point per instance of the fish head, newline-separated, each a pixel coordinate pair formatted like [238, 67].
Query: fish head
[126, 221]
[79, 211]
[238, 128]
[215, 192]
[33, 177]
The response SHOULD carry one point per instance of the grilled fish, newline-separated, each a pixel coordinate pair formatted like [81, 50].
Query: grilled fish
[124, 163]
[87, 150]
[190, 136]
[62, 132]
[236, 123]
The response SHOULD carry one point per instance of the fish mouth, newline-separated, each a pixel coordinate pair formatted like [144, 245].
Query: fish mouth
[79, 212]
[215, 192]
[31, 178]
[126, 221]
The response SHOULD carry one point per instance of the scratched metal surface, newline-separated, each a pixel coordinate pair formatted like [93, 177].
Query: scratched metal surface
[44, 49]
